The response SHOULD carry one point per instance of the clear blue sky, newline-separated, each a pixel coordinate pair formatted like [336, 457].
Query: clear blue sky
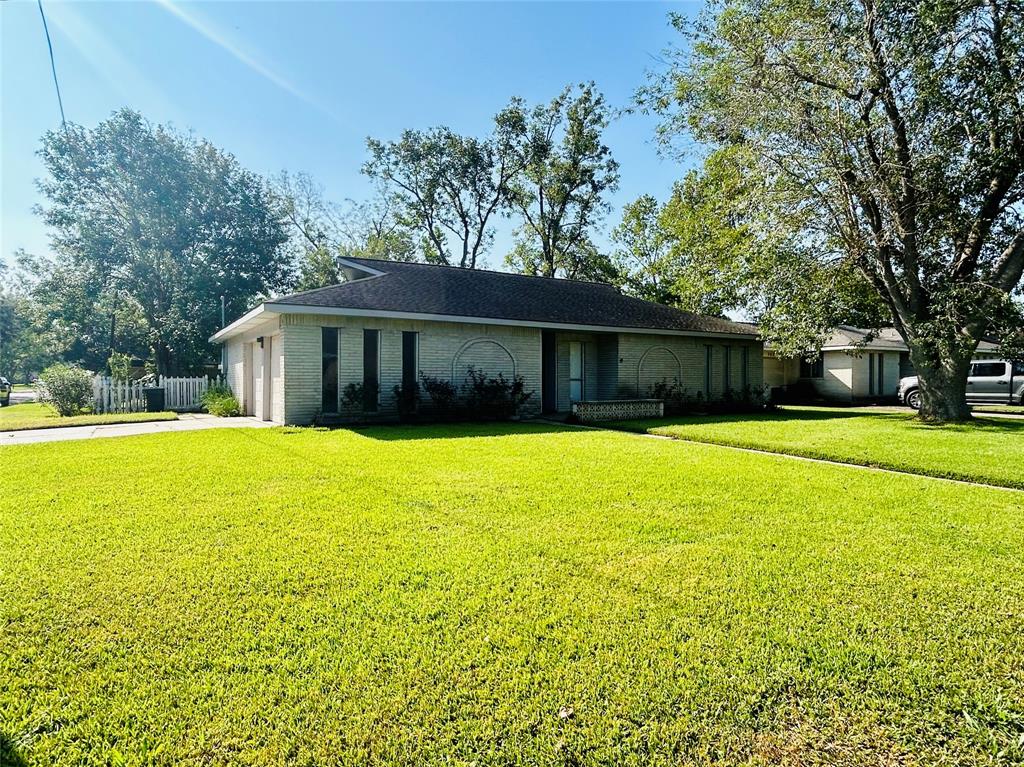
[299, 86]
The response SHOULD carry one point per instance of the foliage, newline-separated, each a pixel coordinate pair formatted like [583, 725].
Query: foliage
[988, 450]
[23, 350]
[322, 232]
[151, 222]
[567, 170]
[358, 397]
[449, 187]
[678, 401]
[676, 398]
[497, 397]
[68, 388]
[35, 415]
[120, 366]
[442, 393]
[643, 250]
[491, 576]
[886, 136]
[219, 400]
[407, 400]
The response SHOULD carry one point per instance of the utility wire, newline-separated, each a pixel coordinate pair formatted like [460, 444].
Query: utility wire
[53, 66]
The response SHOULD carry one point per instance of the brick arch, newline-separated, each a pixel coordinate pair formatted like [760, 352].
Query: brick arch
[662, 364]
[485, 354]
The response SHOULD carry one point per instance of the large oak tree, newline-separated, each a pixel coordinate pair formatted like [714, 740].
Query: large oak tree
[162, 224]
[893, 130]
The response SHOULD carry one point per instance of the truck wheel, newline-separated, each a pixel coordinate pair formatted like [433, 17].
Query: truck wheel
[914, 399]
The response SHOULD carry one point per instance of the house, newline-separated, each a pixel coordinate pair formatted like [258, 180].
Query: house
[854, 365]
[291, 359]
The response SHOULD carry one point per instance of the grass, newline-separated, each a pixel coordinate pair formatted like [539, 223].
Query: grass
[989, 450]
[23, 388]
[497, 595]
[34, 415]
[1015, 409]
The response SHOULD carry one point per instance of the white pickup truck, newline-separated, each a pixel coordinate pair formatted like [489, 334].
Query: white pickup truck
[995, 382]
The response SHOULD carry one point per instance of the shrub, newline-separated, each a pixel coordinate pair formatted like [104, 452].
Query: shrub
[407, 399]
[120, 366]
[219, 400]
[494, 397]
[677, 400]
[68, 388]
[442, 393]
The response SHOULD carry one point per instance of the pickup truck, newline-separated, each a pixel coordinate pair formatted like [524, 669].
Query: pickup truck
[5, 392]
[995, 382]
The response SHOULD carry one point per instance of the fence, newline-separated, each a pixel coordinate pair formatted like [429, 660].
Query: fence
[618, 409]
[110, 396]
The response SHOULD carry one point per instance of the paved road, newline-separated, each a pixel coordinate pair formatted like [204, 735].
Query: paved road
[21, 397]
[185, 422]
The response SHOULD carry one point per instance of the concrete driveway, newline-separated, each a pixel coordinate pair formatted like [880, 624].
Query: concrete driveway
[185, 422]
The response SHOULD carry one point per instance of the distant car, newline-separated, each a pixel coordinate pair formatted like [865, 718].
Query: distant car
[994, 382]
[5, 392]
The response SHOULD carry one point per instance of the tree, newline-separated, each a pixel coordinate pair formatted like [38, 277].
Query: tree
[644, 249]
[894, 130]
[566, 171]
[584, 262]
[448, 187]
[163, 223]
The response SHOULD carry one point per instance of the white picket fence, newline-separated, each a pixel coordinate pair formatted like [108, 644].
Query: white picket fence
[110, 396]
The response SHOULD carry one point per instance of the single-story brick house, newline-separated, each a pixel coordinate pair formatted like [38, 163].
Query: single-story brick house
[290, 359]
[855, 364]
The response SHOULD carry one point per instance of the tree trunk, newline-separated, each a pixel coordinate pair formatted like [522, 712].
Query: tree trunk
[163, 358]
[942, 378]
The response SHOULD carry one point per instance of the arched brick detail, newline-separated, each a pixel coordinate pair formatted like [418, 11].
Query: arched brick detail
[662, 364]
[485, 354]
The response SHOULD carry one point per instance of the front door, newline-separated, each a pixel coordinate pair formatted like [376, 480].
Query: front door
[575, 371]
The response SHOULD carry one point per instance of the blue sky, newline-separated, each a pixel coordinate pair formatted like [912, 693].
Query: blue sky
[299, 86]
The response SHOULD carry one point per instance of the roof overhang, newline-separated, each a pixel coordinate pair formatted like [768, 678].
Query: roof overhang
[271, 309]
[247, 321]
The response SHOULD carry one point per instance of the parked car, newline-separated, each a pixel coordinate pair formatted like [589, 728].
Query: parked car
[995, 382]
[5, 392]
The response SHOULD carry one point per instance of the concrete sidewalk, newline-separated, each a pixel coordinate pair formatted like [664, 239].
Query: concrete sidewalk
[185, 422]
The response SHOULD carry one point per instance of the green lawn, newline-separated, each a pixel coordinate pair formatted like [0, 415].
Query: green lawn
[990, 450]
[1014, 409]
[33, 415]
[499, 595]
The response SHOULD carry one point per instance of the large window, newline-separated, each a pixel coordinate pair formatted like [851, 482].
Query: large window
[709, 355]
[329, 370]
[815, 369]
[371, 370]
[410, 358]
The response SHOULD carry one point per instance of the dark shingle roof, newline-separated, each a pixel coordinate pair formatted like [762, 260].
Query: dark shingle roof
[444, 290]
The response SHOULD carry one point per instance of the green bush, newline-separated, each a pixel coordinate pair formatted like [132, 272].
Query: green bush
[67, 388]
[219, 400]
[442, 395]
[497, 397]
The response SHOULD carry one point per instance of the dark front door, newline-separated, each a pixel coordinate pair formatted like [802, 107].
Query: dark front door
[548, 384]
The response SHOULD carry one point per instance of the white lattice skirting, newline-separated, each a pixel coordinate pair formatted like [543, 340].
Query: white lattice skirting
[618, 409]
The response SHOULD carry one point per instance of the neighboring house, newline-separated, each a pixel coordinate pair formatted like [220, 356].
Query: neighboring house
[854, 364]
[290, 359]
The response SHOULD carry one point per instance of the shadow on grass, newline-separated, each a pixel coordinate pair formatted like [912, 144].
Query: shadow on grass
[790, 415]
[404, 432]
[9, 755]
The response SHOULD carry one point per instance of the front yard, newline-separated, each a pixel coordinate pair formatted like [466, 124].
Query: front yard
[499, 595]
[990, 450]
[33, 415]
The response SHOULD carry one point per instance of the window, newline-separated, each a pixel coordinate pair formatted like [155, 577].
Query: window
[575, 371]
[815, 369]
[410, 358]
[744, 371]
[1018, 368]
[989, 369]
[726, 368]
[871, 374]
[329, 370]
[371, 370]
[880, 372]
[709, 356]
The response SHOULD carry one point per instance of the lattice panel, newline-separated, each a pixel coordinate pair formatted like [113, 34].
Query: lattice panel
[618, 409]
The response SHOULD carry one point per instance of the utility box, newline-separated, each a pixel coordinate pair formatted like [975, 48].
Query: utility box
[154, 398]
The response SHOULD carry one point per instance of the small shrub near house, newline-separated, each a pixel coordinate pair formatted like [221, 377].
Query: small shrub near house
[218, 400]
[678, 401]
[67, 388]
[443, 395]
[494, 398]
[407, 400]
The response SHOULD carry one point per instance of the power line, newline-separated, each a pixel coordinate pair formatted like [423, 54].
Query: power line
[53, 66]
